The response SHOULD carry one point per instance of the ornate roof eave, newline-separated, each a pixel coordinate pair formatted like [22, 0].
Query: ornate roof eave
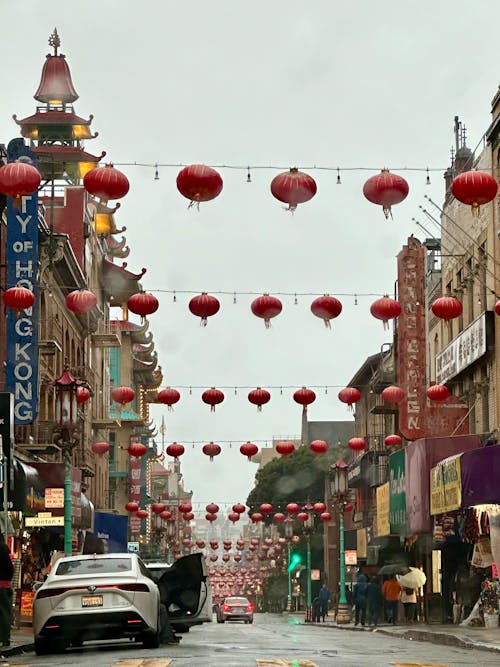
[54, 118]
[143, 350]
[66, 153]
[117, 248]
[99, 207]
[119, 283]
[137, 332]
[150, 391]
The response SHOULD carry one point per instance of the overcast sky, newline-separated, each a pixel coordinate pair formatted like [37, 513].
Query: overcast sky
[344, 83]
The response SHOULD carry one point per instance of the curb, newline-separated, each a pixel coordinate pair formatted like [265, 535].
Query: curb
[16, 650]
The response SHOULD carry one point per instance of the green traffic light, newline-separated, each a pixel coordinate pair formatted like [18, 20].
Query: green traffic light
[295, 559]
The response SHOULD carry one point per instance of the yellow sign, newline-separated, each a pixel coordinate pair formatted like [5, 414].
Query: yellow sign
[383, 524]
[361, 543]
[446, 486]
[41, 521]
[54, 498]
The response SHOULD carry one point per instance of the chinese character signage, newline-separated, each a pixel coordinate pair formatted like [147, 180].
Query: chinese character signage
[383, 525]
[397, 492]
[446, 486]
[464, 350]
[135, 494]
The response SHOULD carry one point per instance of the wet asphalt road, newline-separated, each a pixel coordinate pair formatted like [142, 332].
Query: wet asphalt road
[271, 639]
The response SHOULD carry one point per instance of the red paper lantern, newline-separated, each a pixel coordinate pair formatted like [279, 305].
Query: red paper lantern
[393, 440]
[349, 395]
[304, 397]
[237, 557]
[295, 539]
[348, 507]
[199, 183]
[386, 189]
[157, 508]
[266, 508]
[279, 517]
[100, 448]
[18, 298]
[292, 508]
[497, 308]
[185, 506]
[438, 392]
[132, 506]
[447, 308]
[233, 517]
[393, 394]
[256, 517]
[325, 516]
[186, 542]
[318, 446]
[175, 450]
[137, 449]
[214, 558]
[285, 448]
[319, 507]
[188, 516]
[142, 304]
[212, 397]
[239, 508]
[259, 397]
[18, 179]
[200, 544]
[106, 183]
[141, 514]
[166, 515]
[266, 307]
[123, 395]
[204, 305]
[327, 308]
[357, 444]
[211, 450]
[225, 558]
[212, 508]
[302, 517]
[81, 301]
[168, 397]
[249, 449]
[210, 517]
[474, 188]
[82, 395]
[293, 187]
[385, 309]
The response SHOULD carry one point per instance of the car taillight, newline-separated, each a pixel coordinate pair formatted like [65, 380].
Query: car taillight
[225, 607]
[139, 588]
[250, 607]
[52, 592]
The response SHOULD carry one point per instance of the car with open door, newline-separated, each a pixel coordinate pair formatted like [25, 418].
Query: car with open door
[94, 597]
[185, 590]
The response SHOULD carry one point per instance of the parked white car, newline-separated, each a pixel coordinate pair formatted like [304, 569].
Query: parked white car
[108, 596]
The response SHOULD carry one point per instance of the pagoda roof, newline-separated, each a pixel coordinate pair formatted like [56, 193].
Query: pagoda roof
[119, 283]
[117, 248]
[53, 117]
[66, 153]
[141, 349]
[138, 333]
[56, 82]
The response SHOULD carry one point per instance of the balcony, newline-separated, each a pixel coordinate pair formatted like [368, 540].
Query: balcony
[50, 336]
[37, 438]
[84, 459]
[105, 336]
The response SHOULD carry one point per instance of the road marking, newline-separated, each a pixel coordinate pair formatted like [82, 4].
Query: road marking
[419, 664]
[283, 662]
[144, 662]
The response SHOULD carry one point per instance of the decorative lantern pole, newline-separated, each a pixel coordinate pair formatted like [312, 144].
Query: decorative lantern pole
[339, 491]
[288, 536]
[67, 421]
[308, 528]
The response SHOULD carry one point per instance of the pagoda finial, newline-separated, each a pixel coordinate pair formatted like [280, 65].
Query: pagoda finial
[55, 41]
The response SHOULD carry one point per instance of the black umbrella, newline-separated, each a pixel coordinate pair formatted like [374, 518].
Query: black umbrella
[394, 568]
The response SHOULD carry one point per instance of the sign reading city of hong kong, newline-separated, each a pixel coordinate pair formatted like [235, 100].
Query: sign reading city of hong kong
[22, 330]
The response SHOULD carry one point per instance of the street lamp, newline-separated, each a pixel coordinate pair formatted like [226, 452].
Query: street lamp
[288, 536]
[339, 490]
[308, 527]
[67, 420]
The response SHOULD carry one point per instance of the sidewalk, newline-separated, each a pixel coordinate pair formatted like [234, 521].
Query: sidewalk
[486, 639]
[21, 640]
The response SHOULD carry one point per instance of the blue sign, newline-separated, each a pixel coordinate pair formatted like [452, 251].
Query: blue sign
[21, 371]
[111, 530]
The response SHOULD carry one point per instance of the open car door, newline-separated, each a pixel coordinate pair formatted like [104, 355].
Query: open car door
[186, 591]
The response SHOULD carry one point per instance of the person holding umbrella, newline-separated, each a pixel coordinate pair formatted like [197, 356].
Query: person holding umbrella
[409, 582]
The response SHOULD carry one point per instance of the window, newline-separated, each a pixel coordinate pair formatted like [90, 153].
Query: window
[91, 566]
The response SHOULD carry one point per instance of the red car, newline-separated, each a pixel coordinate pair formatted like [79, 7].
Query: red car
[235, 609]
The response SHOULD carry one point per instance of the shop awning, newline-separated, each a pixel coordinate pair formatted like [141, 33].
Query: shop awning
[480, 474]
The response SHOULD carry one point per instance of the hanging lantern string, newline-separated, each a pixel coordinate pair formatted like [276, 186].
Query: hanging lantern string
[272, 167]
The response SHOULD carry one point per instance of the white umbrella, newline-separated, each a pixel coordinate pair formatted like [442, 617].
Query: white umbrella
[414, 579]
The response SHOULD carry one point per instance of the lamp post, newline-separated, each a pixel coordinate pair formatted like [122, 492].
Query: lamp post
[67, 421]
[308, 528]
[288, 536]
[339, 491]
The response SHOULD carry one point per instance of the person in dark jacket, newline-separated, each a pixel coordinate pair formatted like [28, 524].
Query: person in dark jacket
[359, 600]
[374, 602]
[324, 598]
[6, 574]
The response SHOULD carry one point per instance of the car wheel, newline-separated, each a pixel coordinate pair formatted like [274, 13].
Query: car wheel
[151, 639]
[42, 646]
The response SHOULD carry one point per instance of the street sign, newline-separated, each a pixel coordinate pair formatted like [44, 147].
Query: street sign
[54, 498]
[42, 521]
[351, 557]
[133, 547]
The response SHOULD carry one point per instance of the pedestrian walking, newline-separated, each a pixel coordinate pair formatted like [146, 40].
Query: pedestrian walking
[391, 590]
[374, 602]
[409, 600]
[316, 610]
[359, 600]
[324, 597]
[6, 574]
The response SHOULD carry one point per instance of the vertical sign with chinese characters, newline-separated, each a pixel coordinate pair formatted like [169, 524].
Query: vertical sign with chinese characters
[135, 494]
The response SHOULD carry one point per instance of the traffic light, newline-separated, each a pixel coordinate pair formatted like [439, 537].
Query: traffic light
[295, 559]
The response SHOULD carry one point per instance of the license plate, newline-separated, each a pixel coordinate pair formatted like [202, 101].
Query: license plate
[91, 600]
